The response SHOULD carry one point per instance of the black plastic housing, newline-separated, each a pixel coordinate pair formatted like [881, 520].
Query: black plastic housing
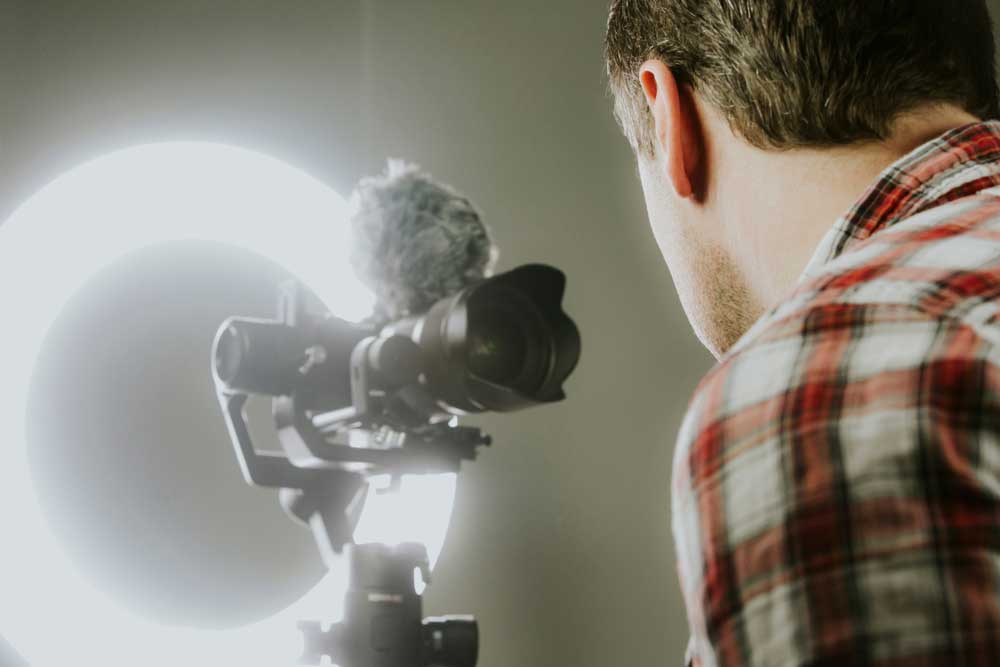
[501, 345]
[270, 358]
[533, 294]
[382, 624]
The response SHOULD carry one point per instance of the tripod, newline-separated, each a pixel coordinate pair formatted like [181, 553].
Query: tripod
[383, 625]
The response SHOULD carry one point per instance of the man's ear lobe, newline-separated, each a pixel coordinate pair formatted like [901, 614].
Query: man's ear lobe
[670, 126]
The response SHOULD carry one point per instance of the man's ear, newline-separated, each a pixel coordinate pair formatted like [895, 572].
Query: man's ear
[673, 129]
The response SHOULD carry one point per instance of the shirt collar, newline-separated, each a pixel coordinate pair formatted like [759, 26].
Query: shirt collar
[957, 164]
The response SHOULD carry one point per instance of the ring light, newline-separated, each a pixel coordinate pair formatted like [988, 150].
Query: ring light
[78, 224]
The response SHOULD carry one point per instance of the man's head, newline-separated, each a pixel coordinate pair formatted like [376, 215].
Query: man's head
[690, 77]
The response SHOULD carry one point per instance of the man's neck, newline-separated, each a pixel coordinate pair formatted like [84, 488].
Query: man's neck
[791, 199]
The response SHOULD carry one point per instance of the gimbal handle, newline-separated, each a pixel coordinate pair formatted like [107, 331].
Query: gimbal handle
[383, 624]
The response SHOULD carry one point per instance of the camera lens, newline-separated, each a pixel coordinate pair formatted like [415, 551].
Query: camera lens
[497, 352]
[507, 344]
[501, 345]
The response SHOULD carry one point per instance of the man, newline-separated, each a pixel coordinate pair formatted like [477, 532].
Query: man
[823, 180]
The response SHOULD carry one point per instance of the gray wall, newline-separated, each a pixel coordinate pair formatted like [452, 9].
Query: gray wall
[560, 541]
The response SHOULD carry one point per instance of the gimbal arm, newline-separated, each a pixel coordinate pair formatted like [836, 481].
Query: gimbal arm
[320, 497]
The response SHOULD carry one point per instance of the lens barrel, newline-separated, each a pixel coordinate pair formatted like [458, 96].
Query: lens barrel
[274, 359]
[501, 345]
[259, 357]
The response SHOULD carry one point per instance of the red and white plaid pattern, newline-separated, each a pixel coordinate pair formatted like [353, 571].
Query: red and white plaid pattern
[836, 492]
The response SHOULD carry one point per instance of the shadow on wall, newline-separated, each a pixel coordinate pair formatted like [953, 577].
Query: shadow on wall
[9, 657]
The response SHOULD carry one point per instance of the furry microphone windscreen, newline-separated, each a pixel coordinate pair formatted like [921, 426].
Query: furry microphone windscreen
[415, 241]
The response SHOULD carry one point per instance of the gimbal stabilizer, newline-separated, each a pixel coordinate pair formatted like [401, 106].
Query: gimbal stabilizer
[353, 401]
[322, 477]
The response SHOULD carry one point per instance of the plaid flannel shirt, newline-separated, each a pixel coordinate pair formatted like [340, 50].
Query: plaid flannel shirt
[836, 491]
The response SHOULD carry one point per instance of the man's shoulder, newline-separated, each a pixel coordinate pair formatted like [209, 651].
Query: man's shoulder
[943, 262]
[937, 270]
[868, 330]
[817, 364]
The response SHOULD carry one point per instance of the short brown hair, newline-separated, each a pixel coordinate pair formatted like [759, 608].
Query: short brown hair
[788, 73]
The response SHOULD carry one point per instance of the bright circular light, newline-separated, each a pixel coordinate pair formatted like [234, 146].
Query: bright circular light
[52, 244]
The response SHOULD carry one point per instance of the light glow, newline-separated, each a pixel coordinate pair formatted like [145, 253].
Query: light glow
[50, 247]
[418, 511]
[411, 513]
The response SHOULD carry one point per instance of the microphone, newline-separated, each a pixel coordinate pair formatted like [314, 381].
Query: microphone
[415, 241]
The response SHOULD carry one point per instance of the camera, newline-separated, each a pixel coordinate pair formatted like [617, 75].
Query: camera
[501, 345]
[353, 400]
